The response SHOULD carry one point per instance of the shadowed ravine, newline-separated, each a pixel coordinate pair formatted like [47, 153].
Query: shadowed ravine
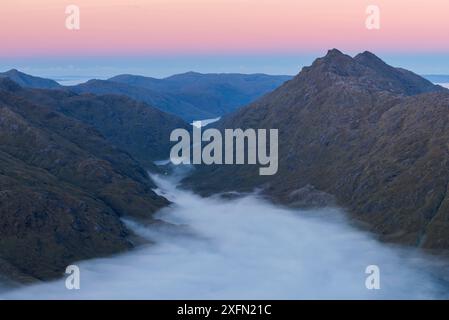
[245, 248]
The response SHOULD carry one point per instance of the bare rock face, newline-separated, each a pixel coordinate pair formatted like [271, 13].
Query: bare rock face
[373, 136]
[63, 187]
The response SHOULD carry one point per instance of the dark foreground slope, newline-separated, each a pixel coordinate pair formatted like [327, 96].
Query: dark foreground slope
[372, 137]
[63, 188]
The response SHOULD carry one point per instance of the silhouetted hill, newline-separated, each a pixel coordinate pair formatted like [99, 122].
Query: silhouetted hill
[395, 79]
[191, 96]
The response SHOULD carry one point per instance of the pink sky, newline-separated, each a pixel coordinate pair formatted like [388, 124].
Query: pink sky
[116, 27]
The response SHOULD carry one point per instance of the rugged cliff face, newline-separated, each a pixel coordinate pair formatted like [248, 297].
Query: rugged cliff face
[63, 185]
[368, 135]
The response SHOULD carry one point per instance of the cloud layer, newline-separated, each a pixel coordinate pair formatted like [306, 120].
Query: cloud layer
[246, 248]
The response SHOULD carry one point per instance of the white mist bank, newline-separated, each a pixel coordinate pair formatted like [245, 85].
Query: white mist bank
[204, 123]
[446, 85]
[244, 248]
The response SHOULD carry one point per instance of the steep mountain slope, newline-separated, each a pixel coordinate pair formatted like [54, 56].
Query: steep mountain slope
[192, 96]
[355, 129]
[392, 79]
[139, 129]
[25, 80]
[214, 93]
[63, 188]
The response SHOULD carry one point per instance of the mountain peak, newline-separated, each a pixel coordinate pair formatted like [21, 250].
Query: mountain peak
[334, 62]
[335, 56]
[14, 71]
[334, 53]
[367, 54]
[369, 59]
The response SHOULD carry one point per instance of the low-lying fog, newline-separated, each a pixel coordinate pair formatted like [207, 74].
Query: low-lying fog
[245, 248]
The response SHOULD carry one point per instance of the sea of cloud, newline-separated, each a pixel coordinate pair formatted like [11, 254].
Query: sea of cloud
[246, 248]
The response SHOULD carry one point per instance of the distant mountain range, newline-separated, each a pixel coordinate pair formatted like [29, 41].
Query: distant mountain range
[191, 96]
[356, 132]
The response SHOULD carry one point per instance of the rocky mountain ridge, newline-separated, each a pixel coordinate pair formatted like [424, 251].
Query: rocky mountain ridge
[369, 135]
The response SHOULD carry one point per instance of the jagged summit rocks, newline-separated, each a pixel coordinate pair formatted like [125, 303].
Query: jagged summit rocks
[367, 71]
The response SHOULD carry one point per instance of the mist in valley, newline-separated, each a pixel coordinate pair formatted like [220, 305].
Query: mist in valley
[245, 248]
